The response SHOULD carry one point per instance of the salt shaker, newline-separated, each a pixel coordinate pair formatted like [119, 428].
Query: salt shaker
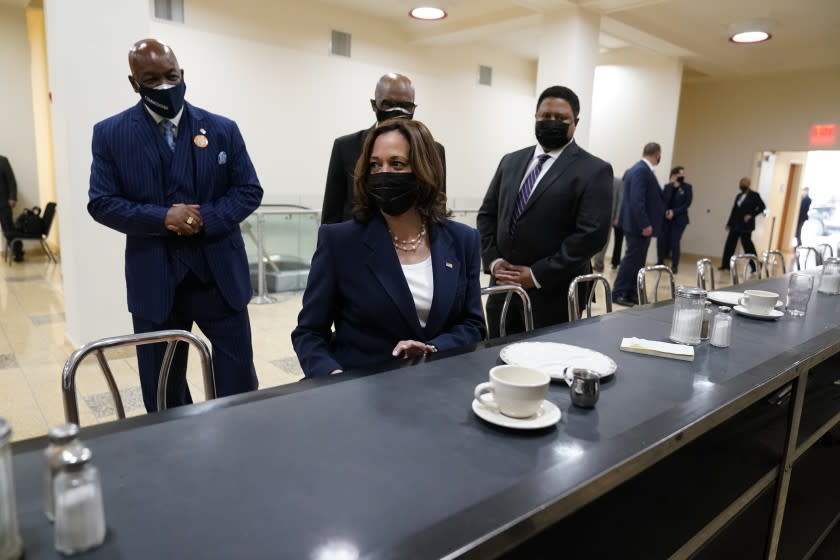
[79, 512]
[61, 437]
[11, 546]
[830, 276]
[689, 306]
[705, 327]
[722, 328]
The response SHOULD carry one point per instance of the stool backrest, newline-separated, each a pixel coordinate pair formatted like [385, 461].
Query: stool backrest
[770, 259]
[747, 259]
[705, 275]
[574, 303]
[641, 283]
[527, 311]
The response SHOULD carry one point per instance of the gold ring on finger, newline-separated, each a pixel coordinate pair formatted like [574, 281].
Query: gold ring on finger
[190, 220]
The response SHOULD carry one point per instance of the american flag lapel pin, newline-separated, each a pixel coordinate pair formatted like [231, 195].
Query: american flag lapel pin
[449, 265]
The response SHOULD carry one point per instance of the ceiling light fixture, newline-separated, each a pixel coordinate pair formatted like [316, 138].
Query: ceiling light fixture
[750, 37]
[427, 13]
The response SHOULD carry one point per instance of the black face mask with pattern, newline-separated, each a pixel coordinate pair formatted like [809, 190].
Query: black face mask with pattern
[165, 102]
[393, 193]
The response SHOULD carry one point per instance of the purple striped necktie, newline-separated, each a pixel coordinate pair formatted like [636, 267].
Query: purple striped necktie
[525, 191]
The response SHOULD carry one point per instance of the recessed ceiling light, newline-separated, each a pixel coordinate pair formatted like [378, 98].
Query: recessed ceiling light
[750, 37]
[427, 13]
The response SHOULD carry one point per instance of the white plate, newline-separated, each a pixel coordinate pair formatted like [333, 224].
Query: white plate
[553, 358]
[771, 316]
[547, 415]
[730, 298]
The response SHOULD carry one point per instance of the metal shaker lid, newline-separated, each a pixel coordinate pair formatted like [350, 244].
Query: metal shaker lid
[74, 457]
[63, 433]
[691, 292]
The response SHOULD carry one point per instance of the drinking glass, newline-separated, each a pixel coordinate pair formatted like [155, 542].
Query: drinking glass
[799, 293]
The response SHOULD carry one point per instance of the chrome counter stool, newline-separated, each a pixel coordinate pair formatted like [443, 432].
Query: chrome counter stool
[822, 248]
[574, 304]
[801, 255]
[641, 283]
[705, 271]
[770, 259]
[527, 311]
[172, 337]
[746, 258]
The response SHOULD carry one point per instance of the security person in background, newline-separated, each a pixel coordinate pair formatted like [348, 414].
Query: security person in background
[677, 196]
[741, 223]
[8, 200]
[393, 98]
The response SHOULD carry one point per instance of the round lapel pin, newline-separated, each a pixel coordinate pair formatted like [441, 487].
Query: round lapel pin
[200, 140]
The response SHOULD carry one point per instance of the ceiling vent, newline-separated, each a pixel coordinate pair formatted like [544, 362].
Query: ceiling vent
[169, 10]
[340, 43]
[485, 75]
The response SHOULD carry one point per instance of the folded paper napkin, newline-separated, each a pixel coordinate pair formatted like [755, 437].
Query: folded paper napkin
[656, 348]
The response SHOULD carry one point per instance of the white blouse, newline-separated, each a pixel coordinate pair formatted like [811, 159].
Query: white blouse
[421, 283]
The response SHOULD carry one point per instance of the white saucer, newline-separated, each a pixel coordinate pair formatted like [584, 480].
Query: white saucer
[722, 297]
[547, 415]
[554, 358]
[771, 316]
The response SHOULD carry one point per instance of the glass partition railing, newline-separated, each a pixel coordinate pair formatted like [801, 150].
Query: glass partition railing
[285, 236]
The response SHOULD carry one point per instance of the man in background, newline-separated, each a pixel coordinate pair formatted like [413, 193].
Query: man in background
[676, 196]
[804, 206]
[641, 219]
[618, 235]
[741, 223]
[8, 200]
[393, 98]
[545, 214]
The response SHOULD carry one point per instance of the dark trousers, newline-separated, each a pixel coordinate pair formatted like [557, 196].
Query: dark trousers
[732, 242]
[229, 332]
[799, 233]
[634, 259]
[618, 238]
[669, 240]
[8, 226]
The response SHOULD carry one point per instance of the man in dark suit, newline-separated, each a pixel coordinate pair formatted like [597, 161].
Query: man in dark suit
[741, 223]
[804, 206]
[676, 196]
[177, 180]
[393, 98]
[545, 214]
[641, 218]
[8, 200]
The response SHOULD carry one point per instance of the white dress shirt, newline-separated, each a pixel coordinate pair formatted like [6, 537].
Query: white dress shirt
[175, 120]
[420, 280]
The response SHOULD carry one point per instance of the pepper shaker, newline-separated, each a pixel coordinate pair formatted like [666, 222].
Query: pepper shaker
[11, 546]
[61, 437]
[79, 512]
[705, 327]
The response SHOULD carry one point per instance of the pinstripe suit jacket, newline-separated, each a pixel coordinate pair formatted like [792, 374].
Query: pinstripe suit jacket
[129, 192]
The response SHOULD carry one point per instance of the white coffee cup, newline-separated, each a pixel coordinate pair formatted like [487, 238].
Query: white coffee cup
[759, 301]
[514, 391]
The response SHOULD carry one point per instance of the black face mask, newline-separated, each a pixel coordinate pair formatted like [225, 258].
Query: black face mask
[744, 188]
[383, 115]
[164, 102]
[393, 193]
[680, 180]
[552, 134]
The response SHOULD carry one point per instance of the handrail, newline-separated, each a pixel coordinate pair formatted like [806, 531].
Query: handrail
[68, 373]
[750, 258]
[574, 306]
[702, 266]
[766, 261]
[527, 310]
[641, 282]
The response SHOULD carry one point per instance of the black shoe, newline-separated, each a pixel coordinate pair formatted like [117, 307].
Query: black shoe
[674, 270]
[625, 301]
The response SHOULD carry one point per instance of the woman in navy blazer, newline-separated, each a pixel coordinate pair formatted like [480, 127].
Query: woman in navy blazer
[399, 280]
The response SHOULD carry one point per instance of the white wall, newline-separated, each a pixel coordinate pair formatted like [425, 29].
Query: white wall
[17, 139]
[268, 68]
[723, 124]
[635, 101]
[87, 46]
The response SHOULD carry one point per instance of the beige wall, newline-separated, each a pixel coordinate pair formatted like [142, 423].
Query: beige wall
[268, 68]
[722, 125]
[17, 137]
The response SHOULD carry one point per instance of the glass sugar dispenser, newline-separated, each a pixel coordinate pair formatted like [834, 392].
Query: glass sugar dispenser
[689, 309]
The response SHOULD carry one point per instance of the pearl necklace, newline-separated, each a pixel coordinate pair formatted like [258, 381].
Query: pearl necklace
[408, 245]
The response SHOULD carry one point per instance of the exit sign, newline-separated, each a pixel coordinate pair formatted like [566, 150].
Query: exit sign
[823, 135]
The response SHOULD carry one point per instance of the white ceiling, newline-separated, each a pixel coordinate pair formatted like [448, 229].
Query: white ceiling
[806, 33]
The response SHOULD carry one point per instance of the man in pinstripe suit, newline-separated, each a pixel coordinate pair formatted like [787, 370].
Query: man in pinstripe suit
[177, 181]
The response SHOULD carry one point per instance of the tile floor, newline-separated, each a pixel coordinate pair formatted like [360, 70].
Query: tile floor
[33, 350]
